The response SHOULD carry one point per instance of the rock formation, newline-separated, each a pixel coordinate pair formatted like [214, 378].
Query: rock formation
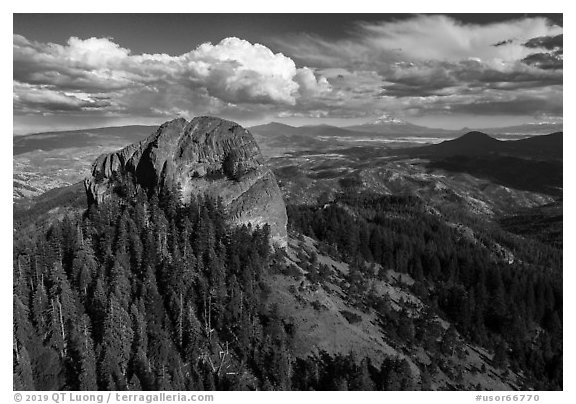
[204, 156]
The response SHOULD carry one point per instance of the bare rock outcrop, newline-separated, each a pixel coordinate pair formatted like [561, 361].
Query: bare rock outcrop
[207, 155]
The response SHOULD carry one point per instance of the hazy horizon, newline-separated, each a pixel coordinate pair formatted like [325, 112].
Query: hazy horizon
[296, 125]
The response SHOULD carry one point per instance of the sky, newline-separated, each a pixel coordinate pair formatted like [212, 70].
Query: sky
[447, 71]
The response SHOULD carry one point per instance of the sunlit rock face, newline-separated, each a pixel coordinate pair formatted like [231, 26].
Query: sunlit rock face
[208, 156]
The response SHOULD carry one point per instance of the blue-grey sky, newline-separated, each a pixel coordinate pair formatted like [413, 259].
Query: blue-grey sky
[448, 71]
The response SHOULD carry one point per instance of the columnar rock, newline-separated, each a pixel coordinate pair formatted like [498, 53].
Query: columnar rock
[204, 156]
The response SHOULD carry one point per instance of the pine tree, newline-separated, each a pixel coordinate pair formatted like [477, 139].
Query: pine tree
[24, 335]
[84, 268]
[362, 380]
[23, 375]
[116, 342]
[83, 355]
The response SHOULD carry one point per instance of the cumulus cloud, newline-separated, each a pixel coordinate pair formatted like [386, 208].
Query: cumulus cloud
[232, 74]
[235, 70]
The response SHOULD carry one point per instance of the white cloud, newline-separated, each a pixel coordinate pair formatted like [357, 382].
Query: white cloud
[235, 70]
[310, 85]
[232, 72]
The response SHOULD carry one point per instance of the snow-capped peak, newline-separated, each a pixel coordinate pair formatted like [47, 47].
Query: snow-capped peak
[388, 119]
[540, 123]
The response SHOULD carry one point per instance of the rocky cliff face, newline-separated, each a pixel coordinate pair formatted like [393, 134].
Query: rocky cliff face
[204, 156]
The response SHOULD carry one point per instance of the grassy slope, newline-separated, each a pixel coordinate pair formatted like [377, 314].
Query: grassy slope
[318, 312]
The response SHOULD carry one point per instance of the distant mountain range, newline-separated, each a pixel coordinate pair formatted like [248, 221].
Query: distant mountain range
[80, 138]
[389, 125]
[273, 131]
[384, 126]
[544, 147]
[276, 129]
[532, 164]
[535, 128]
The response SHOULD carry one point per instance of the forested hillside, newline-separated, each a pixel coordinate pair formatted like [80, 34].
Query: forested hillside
[509, 303]
[145, 295]
[156, 295]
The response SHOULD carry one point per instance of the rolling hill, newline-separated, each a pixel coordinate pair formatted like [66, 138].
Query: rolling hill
[544, 147]
[532, 164]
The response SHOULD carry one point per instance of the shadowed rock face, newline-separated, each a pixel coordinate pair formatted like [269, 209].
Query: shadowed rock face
[204, 156]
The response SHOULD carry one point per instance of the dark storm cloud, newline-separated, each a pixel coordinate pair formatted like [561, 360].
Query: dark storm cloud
[552, 60]
[545, 60]
[464, 77]
[416, 83]
[502, 43]
[546, 42]
[520, 106]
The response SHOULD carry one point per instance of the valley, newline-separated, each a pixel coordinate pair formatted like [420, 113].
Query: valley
[49, 160]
